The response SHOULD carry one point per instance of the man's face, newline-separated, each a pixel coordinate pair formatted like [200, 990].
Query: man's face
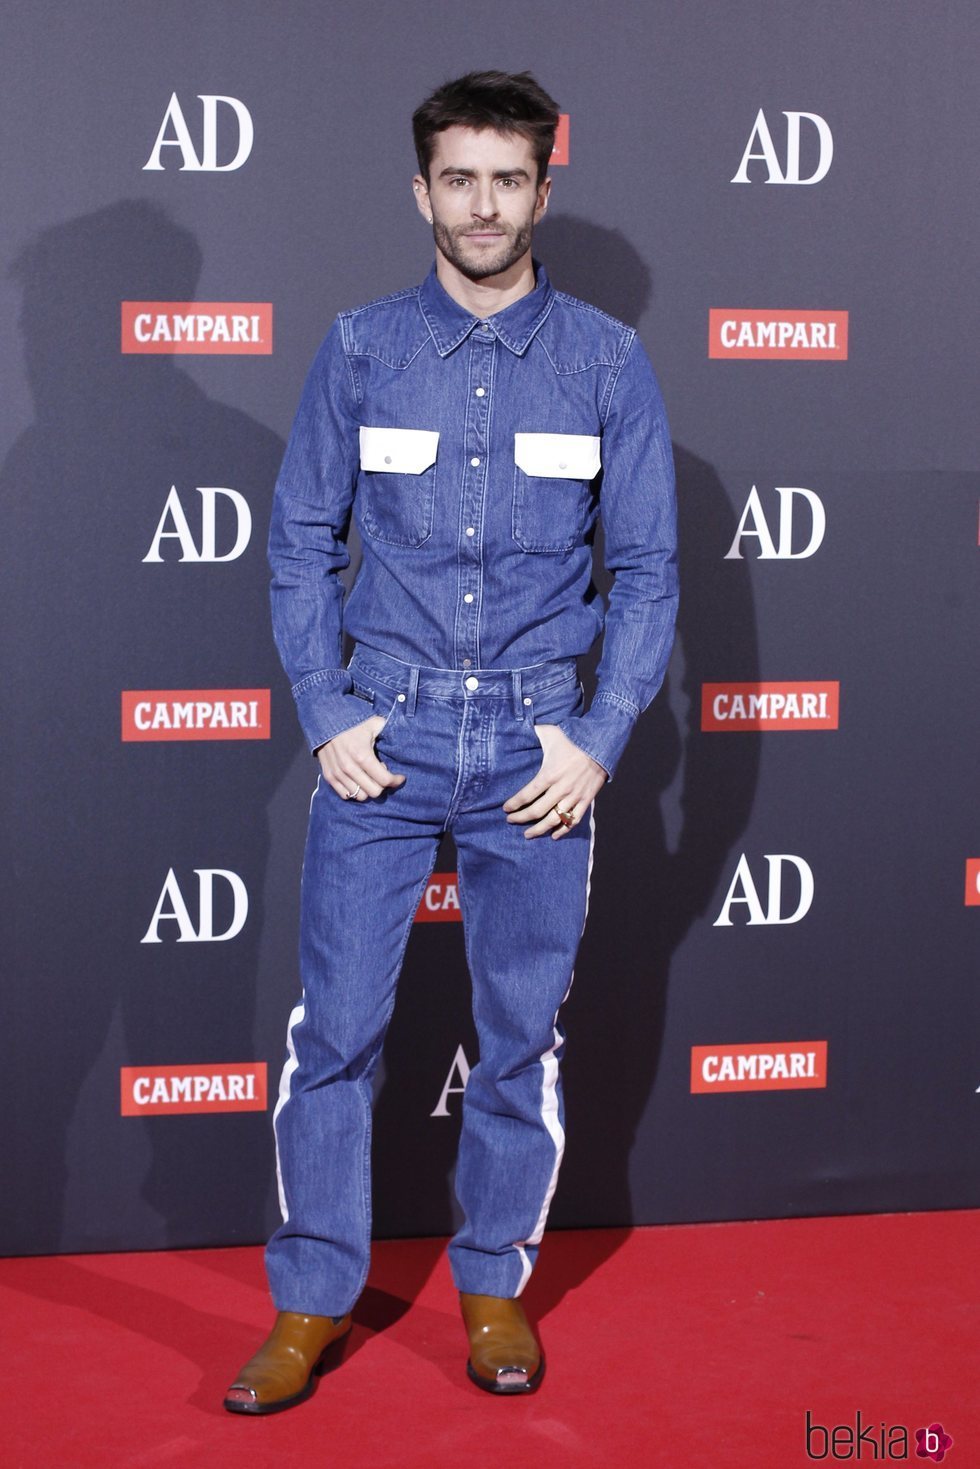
[483, 199]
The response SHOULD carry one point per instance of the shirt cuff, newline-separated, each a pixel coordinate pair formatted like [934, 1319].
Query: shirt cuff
[326, 706]
[603, 731]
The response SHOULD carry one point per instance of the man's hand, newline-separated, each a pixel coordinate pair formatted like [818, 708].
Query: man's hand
[349, 761]
[568, 778]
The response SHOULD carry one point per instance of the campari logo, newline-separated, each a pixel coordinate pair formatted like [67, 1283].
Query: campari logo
[769, 706]
[440, 901]
[815, 336]
[239, 1087]
[209, 327]
[773, 1066]
[195, 714]
[973, 882]
[559, 153]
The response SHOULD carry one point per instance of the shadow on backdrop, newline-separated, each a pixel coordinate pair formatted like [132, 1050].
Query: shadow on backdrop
[91, 824]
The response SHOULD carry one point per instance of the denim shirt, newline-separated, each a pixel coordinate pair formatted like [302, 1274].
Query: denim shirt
[476, 456]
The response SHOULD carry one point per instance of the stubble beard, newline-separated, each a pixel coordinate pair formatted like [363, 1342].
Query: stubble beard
[489, 262]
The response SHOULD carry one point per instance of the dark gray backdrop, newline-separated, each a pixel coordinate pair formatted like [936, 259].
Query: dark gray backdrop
[646, 223]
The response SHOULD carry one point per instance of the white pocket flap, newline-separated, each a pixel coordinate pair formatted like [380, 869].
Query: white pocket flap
[558, 456]
[398, 450]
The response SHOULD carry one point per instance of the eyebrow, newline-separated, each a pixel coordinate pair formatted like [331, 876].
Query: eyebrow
[498, 173]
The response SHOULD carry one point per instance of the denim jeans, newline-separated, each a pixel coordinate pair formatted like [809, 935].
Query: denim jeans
[466, 741]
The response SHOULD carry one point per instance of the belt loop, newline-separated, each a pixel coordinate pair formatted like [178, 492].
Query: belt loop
[413, 689]
[517, 691]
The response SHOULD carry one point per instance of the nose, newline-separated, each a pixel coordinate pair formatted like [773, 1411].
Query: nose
[485, 205]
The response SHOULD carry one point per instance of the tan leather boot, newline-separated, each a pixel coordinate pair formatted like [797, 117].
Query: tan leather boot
[504, 1353]
[283, 1369]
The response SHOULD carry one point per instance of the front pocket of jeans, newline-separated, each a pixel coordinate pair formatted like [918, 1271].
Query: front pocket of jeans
[397, 483]
[553, 506]
[379, 700]
[551, 706]
[386, 705]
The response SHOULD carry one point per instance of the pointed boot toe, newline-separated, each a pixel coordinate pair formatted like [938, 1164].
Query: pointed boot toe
[283, 1371]
[504, 1353]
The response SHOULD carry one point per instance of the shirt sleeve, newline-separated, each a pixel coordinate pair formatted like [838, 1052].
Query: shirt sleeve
[307, 546]
[637, 503]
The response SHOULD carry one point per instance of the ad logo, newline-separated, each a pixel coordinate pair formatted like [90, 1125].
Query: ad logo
[780, 706]
[171, 908]
[207, 160]
[780, 549]
[790, 174]
[440, 901]
[815, 336]
[180, 530]
[770, 1067]
[240, 1087]
[743, 890]
[200, 327]
[460, 1069]
[195, 714]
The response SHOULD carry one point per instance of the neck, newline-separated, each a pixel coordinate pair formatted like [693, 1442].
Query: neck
[485, 297]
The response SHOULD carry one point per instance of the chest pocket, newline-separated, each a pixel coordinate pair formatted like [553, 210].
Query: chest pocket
[553, 506]
[396, 490]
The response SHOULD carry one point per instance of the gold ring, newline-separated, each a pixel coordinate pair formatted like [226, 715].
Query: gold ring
[565, 817]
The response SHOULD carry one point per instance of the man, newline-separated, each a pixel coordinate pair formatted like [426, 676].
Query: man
[476, 426]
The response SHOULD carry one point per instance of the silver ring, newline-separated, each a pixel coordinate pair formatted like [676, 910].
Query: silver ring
[351, 794]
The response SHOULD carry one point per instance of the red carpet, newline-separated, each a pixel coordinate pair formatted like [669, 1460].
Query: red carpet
[676, 1346]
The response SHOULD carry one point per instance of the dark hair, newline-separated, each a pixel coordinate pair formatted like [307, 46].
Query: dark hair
[508, 102]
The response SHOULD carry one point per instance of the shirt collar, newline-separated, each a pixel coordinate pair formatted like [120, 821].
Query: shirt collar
[515, 325]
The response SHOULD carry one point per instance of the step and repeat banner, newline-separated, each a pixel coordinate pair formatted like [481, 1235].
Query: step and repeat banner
[775, 1007]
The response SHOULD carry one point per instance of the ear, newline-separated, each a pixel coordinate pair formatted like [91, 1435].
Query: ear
[421, 191]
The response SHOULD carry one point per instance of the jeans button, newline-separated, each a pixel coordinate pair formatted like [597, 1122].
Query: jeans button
[472, 682]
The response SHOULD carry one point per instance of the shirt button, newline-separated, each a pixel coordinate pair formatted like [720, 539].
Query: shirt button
[481, 392]
[467, 662]
[527, 701]
[474, 462]
[387, 458]
[471, 530]
[563, 466]
[401, 698]
[468, 597]
[472, 683]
